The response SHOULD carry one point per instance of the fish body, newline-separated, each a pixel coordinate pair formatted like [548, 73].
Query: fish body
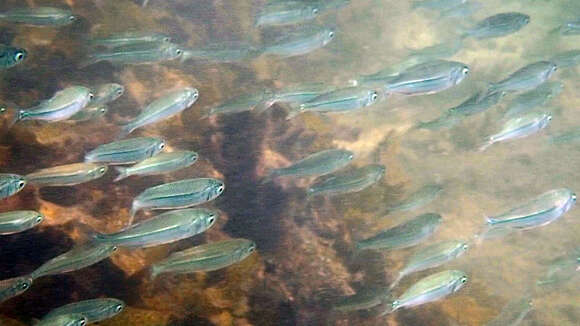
[428, 78]
[320, 163]
[300, 43]
[537, 212]
[513, 313]
[498, 25]
[205, 258]
[436, 4]
[365, 299]
[11, 56]
[477, 103]
[129, 38]
[94, 310]
[421, 197]
[126, 151]
[222, 53]
[10, 184]
[461, 11]
[89, 113]
[240, 104]
[529, 100]
[77, 258]
[158, 164]
[571, 27]
[526, 78]
[12, 287]
[107, 93]
[286, 13]
[566, 59]
[404, 235]
[520, 127]
[352, 181]
[294, 95]
[178, 194]
[67, 175]
[446, 120]
[162, 108]
[341, 100]
[561, 269]
[63, 320]
[39, 16]
[18, 221]
[138, 53]
[162, 229]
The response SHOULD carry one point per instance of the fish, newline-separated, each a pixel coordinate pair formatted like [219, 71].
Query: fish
[300, 42]
[431, 256]
[94, 310]
[159, 164]
[566, 59]
[463, 10]
[39, 16]
[10, 184]
[63, 105]
[338, 101]
[107, 93]
[519, 127]
[12, 287]
[10, 56]
[78, 257]
[295, 94]
[446, 120]
[239, 104]
[89, 113]
[571, 27]
[421, 197]
[317, 164]
[126, 151]
[178, 194]
[477, 103]
[129, 38]
[162, 108]
[539, 211]
[428, 78]
[162, 229]
[498, 25]
[286, 13]
[67, 175]
[436, 4]
[526, 78]
[437, 51]
[529, 100]
[135, 54]
[561, 269]
[352, 181]
[404, 235]
[431, 288]
[18, 221]
[513, 313]
[205, 257]
[365, 299]
[63, 320]
[570, 136]
[230, 52]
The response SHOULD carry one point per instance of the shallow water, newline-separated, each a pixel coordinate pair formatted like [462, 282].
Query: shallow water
[305, 259]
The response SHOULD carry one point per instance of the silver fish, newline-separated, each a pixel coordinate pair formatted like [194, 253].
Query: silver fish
[446, 120]
[67, 175]
[162, 229]
[77, 258]
[404, 235]
[63, 105]
[431, 256]
[230, 52]
[351, 181]
[10, 184]
[513, 313]
[571, 27]
[526, 78]
[301, 42]
[498, 25]
[477, 103]
[128, 38]
[89, 113]
[205, 258]
[464, 10]
[519, 127]
[240, 104]
[178, 194]
[561, 269]
[39, 16]
[566, 59]
[338, 101]
[428, 78]
[364, 299]
[107, 93]
[430, 288]
[436, 4]
[14, 286]
[138, 53]
[158, 164]
[162, 108]
[317, 164]
[10, 56]
[126, 151]
[94, 310]
[286, 13]
[421, 197]
[538, 96]
[63, 320]
[18, 221]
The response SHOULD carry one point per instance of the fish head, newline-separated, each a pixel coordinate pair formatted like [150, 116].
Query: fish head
[77, 320]
[209, 218]
[172, 51]
[310, 11]
[459, 73]
[191, 157]
[17, 183]
[458, 280]
[552, 68]
[102, 110]
[191, 95]
[37, 219]
[346, 155]
[372, 97]
[15, 286]
[15, 56]
[328, 35]
[158, 146]
[524, 19]
[248, 249]
[117, 90]
[216, 188]
[100, 170]
[112, 306]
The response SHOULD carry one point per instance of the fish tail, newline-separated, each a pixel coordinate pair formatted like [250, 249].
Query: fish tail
[90, 60]
[263, 106]
[126, 129]
[205, 115]
[271, 175]
[154, 271]
[390, 309]
[134, 209]
[295, 109]
[485, 145]
[122, 173]
[18, 116]
[396, 281]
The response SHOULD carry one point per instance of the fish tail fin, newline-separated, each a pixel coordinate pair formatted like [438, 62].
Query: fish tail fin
[263, 106]
[396, 281]
[19, 115]
[126, 129]
[388, 310]
[122, 173]
[88, 61]
[135, 207]
[154, 271]
[271, 175]
[295, 110]
[205, 115]
[485, 145]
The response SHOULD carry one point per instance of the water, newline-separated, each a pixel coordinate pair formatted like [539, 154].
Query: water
[305, 259]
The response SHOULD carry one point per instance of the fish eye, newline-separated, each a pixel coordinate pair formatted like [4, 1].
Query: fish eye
[83, 322]
[220, 189]
[72, 18]
[463, 280]
[351, 156]
[118, 308]
[374, 96]
[162, 146]
[574, 197]
[39, 219]
[119, 92]
[2, 109]
[91, 96]
[315, 11]
[549, 118]
[555, 68]
[465, 246]
[252, 248]
[195, 95]
[103, 110]
[331, 34]
[24, 286]
[465, 71]
[167, 39]
[19, 56]
[21, 184]
[178, 52]
[115, 248]
[211, 218]
[102, 170]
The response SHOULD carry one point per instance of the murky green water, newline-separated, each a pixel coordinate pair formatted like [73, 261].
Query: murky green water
[305, 260]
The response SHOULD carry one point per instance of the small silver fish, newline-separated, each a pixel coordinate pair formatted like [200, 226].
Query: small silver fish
[128, 38]
[566, 59]
[464, 10]
[67, 175]
[10, 184]
[240, 104]
[94, 310]
[158, 164]
[89, 113]
[561, 269]
[301, 42]
[18, 221]
[286, 13]
[526, 78]
[317, 164]
[63, 320]
[162, 229]
[338, 101]
[513, 313]
[351, 181]
[446, 120]
[138, 53]
[11, 56]
[107, 93]
[365, 299]
[126, 151]
[77, 258]
[205, 258]
[421, 197]
[39, 16]
[529, 100]
[178, 194]
[162, 108]
[498, 25]
[571, 27]
[519, 127]
[14, 286]
[436, 4]
[230, 52]
[477, 103]
[428, 78]
[295, 94]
